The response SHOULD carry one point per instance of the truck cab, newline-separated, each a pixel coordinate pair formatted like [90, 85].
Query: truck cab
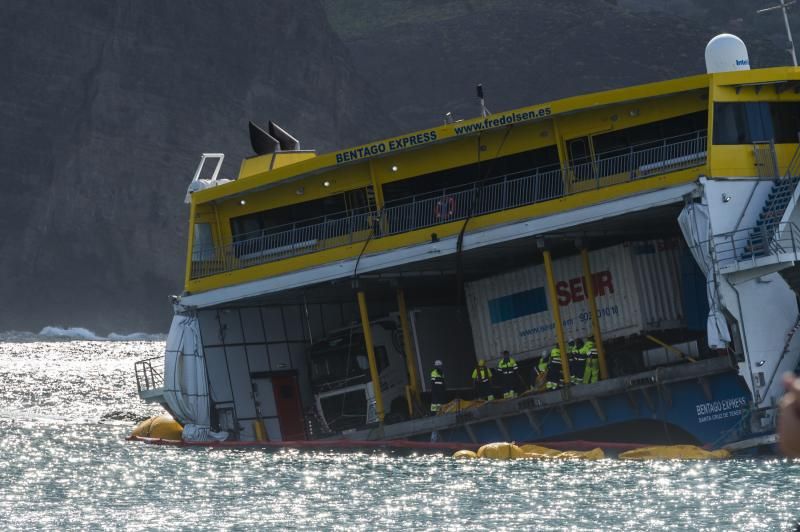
[343, 391]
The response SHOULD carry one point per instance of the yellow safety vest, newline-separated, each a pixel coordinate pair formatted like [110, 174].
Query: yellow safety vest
[507, 367]
[481, 373]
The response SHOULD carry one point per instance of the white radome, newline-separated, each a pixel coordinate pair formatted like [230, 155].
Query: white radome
[726, 53]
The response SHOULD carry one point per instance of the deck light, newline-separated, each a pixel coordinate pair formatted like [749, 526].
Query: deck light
[326, 184]
[243, 202]
[394, 168]
[726, 197]
[300, 191]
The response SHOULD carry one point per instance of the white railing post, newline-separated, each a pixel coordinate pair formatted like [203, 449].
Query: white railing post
[631, 164]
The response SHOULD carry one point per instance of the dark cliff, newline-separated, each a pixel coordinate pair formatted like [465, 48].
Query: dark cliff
[107, 105]
[426, 58]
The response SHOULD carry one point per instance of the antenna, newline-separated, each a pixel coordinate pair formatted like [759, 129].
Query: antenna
[783, 6]
[484, 110]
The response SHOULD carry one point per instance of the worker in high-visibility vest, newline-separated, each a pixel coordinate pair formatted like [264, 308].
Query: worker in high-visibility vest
[555, 373]
[438, 387]
[592, 370]
[482, 381]
[508, 371]
[539, 373]
[577, 361]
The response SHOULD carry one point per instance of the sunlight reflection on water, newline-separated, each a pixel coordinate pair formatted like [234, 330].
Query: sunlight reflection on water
[65, 408]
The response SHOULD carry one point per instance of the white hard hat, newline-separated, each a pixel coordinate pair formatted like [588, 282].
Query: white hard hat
[438, 363]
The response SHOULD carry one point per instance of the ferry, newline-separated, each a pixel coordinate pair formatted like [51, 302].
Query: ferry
[660, 220]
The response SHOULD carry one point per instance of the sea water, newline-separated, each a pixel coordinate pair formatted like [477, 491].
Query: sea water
[67, 405]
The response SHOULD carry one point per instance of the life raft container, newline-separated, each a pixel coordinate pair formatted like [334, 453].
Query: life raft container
[445, 208]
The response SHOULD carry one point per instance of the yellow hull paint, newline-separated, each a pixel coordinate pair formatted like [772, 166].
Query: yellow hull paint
[265, 163]
[739, 161]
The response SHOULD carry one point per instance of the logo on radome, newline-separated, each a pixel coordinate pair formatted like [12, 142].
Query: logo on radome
[742, 62]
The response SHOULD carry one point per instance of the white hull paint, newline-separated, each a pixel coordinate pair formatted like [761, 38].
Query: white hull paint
[753, 293]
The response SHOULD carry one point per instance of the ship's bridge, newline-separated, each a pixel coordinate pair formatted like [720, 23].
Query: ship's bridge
[477, 183]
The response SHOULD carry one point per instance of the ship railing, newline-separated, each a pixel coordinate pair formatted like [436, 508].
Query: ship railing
[793, 170]
[450, 205]
[453, 204]
[290, 240]
[752, 244]
[542, 184]
[636, 162]
[149, 377]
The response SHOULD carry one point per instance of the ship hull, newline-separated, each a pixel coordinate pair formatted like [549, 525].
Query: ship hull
[704, 403]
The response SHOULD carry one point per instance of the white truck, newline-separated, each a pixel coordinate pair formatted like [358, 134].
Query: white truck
[340, 376]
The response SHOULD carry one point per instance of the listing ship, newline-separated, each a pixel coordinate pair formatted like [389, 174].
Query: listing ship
[659, 220]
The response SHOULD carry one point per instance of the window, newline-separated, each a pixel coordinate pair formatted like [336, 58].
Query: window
[346, 410]
[748, 122]
[632, 147]
[463, 177]
[639, 138]
[299, 215]
[785, 121]
[203, 243]
[381, 358]
[343, 359]
[339, 359]
[730, 124]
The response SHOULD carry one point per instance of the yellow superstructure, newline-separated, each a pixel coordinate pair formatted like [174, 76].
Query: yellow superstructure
[265, 223]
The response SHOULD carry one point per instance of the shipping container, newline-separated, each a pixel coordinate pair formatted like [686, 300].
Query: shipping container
[637, 288]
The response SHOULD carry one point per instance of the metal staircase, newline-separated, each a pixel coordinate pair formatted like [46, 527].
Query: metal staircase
[776, 247]
[778, 199]
[771, 214]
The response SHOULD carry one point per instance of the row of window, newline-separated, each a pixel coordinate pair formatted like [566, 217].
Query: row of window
[734, 123]
[356, 201]
[299, 214]
[646, 136]
[465, 176]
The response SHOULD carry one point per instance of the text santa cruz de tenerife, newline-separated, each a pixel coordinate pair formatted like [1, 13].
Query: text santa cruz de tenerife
[427, 137]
